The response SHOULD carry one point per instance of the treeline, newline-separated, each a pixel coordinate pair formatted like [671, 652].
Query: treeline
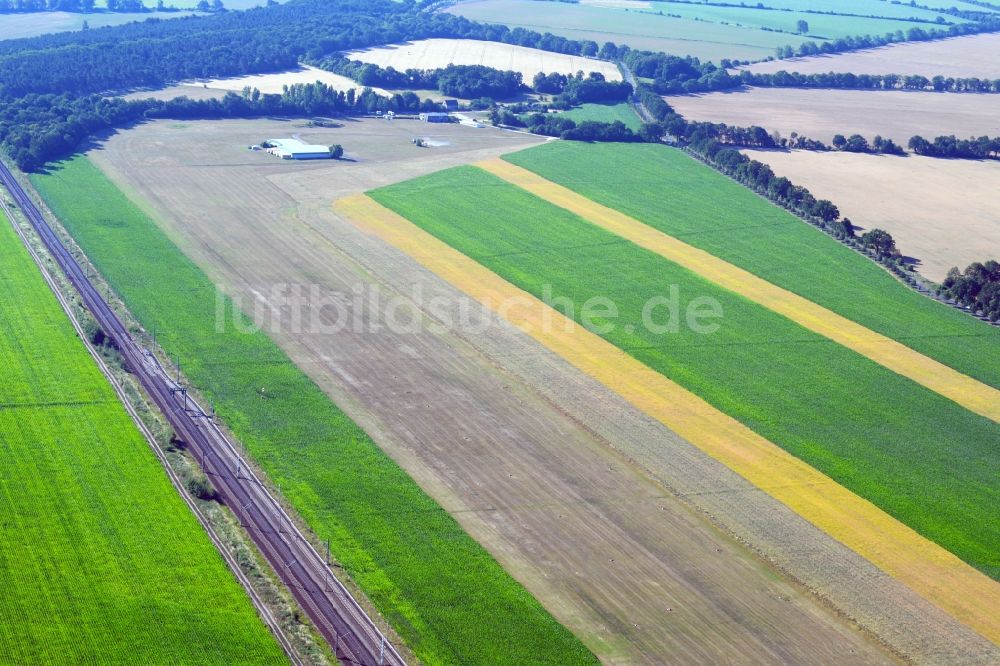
[466, 81]
[476, 81]
[823, 213]
[977, 288]
[717, 145]
[572, 90]
[849, 81]
[974, 148]
[39, 128]
[554, 124]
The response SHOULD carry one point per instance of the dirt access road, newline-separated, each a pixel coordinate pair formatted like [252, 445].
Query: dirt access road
[547, 469]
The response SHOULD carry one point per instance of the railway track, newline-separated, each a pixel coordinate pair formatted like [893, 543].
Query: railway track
[352, 634]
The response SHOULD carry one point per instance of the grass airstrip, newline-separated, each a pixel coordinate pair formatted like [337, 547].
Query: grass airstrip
[100, 559]
[846, 416]
[451, 601]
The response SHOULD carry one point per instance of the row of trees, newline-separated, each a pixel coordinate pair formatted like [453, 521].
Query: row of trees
[975, 148]
[979, 22]
[591, 89]
[555, 124]
[785, 79]
[977, 288]
[717, 145]
[673, 75]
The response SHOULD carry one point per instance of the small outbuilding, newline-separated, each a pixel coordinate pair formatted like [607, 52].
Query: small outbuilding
[293, 149]
[435, 117]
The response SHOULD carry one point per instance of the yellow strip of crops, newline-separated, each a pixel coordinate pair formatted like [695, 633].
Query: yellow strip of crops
[962, 389]
[931, 571]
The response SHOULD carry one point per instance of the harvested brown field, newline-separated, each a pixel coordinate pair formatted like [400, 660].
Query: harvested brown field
[972, 55]
[820, 114]
[941, 212]
[620, 527]
[266, 83]
[434, 53]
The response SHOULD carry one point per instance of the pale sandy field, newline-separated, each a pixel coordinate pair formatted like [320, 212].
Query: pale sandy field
[619, 526]
[974, 55]
[434, 53]
[820, 114]
[942, 212]
[273, 83]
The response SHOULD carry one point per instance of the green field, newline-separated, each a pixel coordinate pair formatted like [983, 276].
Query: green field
[640, 30]
[100, 559]
[605, 113]
[821, 26]
[845, 415]
[706, 31]
[860, 7]
[668, 190]
[448, 598]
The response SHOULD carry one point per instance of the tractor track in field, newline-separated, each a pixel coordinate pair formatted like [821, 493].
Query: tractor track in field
[351, 633]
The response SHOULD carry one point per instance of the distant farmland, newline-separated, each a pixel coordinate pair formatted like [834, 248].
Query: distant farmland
[822, 113]
[851, 419]
[705, 31]
[972, 55]
[101, 559]
[434, 53]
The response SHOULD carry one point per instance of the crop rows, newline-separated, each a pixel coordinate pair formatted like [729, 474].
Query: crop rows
[846, 416]
[100, 559]
[671, 192]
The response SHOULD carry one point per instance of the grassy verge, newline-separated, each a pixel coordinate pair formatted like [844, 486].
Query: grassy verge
[444, 593]
[668, 190]
[847, 416]
[605, 113]
[100, 559]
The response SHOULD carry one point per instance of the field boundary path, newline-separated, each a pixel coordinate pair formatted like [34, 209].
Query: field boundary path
[931, 571]
[895, 356]
[351, 633]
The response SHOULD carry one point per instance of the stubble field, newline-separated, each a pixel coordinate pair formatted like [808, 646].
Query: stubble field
[972, 55]
[822, 113]
[940, 212]
[480, 420]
